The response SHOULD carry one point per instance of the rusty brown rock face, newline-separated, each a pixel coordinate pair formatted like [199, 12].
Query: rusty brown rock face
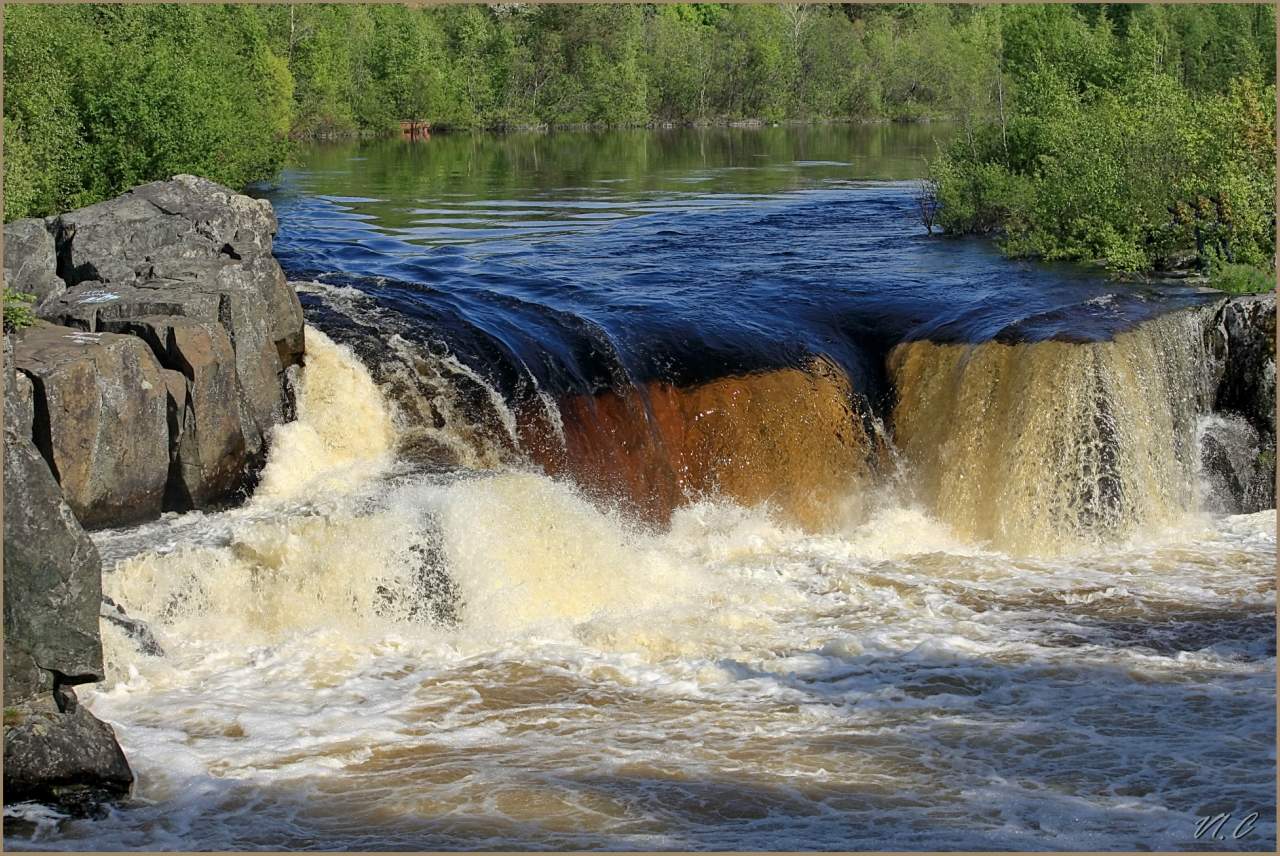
[790, 437]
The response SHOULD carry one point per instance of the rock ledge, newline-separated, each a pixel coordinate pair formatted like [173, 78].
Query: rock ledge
[150, 384]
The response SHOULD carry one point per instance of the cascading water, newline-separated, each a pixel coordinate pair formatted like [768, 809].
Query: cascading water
[1033, 447]
[343, 434]
[842, 568]
[374, 654]
[792, 438]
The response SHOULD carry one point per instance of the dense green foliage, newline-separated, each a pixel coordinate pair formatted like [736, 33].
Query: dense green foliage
[1141, 137]
[19, 310]
[515, 65]
[1243, 279]
[99, 98]
[1137, 135]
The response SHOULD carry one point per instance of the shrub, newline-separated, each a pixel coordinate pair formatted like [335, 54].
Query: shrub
[980, 198]
[100, 98]
[1129, 177]
[1242, 279]
[19, 311]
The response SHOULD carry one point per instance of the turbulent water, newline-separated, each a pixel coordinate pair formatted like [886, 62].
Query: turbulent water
[902, 547]
[1032, 446]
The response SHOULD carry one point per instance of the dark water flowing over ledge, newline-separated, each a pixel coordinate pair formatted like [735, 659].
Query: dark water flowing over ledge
[663, 315]
[680, 256]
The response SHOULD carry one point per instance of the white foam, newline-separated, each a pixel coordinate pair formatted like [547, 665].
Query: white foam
[343, 436]
[726, 682]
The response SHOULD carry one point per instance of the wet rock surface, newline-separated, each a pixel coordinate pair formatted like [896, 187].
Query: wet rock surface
[1238, 444]
[56, 752]
[1248, 384]
[1237, 464]
[138, 631]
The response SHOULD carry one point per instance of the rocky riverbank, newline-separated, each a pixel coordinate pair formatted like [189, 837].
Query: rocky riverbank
[151, 382]
[1238, 442]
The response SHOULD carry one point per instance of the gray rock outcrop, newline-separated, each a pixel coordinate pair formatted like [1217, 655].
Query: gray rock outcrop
[54, 750]
[30, 260]
[52, 573]
[1238, 443]
[99, 420]
[139, 632]
[185, 267]
[243, 297]
[1237, 465]
[208, 451]
[60, 753]
[185, 217]
[152, 382]
[1248, 385]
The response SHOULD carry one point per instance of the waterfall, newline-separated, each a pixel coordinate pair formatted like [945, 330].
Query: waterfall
[1036, 447]
[792, 438]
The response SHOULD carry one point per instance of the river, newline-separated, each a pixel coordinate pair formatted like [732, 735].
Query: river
[675, 490]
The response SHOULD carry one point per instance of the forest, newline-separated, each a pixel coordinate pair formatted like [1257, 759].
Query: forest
[1129, 135]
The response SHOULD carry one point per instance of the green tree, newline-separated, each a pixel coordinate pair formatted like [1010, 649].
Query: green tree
[102, 97]
[1116, 158]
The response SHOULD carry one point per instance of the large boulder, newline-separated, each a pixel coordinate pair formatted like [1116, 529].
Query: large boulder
[213, 293]
[54, 750]
[1238, 440]
[186, 266]
[1237, 465]
[52, 573]
[100, 420]
[162, 232]
[209, 454]
[184, 217]
[30, 260]
[1248, 385]
[57, 752]
[250, 299]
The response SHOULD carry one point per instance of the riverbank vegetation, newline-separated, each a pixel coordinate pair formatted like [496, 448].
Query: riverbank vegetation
[1134, 135]
[99, 98]
[1139, 137]
[18, 310]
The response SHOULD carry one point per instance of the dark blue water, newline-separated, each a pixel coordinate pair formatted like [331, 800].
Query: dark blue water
[680, 270]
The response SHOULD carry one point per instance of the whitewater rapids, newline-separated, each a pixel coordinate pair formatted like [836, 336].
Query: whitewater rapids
[366, 656]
